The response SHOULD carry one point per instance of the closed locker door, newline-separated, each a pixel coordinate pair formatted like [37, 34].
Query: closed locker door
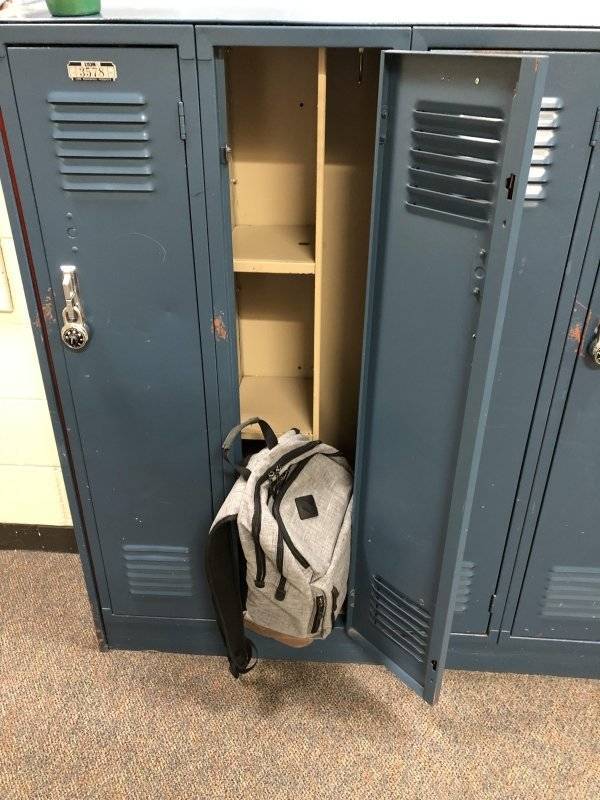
[454, 144]
[558, 170]
[108, 167]
[560, 595]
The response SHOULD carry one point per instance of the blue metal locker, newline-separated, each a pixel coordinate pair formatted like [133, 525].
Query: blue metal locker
[108, 163]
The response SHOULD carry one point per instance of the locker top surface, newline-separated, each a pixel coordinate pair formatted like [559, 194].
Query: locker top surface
[512, 13]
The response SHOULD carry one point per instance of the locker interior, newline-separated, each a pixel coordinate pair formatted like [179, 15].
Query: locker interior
[301, 127]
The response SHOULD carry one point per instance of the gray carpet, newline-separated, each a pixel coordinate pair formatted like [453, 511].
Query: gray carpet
[80, 724]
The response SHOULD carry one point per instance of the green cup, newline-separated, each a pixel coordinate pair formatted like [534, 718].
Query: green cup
[73, 8]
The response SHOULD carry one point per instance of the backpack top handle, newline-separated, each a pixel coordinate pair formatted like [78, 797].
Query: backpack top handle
[268, 435]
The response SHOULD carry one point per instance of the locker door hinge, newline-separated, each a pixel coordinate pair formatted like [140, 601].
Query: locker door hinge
[225, 151]
[181, 113]
[383, 124]
[595, 137]
[492, 603]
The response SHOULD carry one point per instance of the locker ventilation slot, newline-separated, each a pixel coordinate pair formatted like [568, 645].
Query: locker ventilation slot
[402, 621]
[158, 571]
[102, 141]
[463, 593]
[543, 151]
[454, 160]
[572, 592]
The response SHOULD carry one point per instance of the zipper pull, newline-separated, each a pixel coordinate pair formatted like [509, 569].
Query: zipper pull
[276, 478]
[273, 477]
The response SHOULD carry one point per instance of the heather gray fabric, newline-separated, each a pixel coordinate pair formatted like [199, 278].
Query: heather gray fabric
[318, 527]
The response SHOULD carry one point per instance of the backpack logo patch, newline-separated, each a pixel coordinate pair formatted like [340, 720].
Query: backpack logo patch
[307, 508]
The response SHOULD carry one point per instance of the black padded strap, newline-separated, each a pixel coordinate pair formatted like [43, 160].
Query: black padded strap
[268, 435]
[224, 582]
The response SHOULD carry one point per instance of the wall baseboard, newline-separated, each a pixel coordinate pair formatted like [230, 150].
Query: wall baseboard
[49, 538]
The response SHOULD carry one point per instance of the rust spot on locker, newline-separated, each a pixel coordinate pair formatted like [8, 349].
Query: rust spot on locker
[219, 328]
[575, 333]
[100, 637]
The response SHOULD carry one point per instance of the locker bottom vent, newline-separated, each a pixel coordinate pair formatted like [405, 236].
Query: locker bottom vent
[158, 570]
[400, 619]
[572, 592]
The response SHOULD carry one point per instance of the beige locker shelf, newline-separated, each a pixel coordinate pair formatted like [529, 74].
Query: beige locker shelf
[288, 249]
[284, 402]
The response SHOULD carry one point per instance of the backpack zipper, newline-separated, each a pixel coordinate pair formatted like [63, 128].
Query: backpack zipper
[274, 469]
[282, 532]
[275, 476]
[319, 611]
[334, 599]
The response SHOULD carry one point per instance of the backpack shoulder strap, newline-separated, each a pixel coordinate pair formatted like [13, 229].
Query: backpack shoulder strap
[221, 564]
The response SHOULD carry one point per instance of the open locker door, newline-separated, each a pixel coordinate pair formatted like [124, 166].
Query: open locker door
[455, 138]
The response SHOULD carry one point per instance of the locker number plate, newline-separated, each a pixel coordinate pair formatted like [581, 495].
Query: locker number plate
[92, 71]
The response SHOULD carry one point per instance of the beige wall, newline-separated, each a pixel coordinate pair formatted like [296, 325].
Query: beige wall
[31, 485]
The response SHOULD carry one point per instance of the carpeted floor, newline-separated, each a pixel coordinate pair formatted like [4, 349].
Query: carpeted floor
[80, 724]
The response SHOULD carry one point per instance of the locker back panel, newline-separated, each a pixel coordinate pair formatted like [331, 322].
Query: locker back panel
[109, 174]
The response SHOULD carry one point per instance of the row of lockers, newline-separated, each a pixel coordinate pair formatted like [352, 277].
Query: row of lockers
[474, 263]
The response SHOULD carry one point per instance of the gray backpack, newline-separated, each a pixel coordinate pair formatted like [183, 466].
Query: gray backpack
[290, 509]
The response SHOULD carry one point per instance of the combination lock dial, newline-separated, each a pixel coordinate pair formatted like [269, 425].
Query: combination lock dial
[74, 332]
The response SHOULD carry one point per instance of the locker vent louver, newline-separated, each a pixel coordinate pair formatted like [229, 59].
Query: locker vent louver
[463, 593]
[543, 151]
[400, 619]
[102, 141]
[158, 570]
[454, 160]
[572, 592]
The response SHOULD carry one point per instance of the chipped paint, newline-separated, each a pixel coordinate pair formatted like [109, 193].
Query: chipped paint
[47, 307]
[219, 328]
[48, 310]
